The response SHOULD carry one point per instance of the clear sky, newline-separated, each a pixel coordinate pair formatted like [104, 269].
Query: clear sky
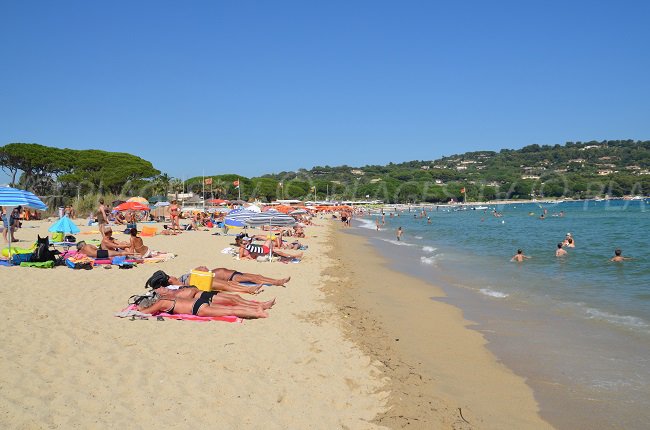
[255, 87]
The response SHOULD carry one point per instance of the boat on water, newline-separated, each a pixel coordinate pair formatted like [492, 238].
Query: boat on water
[480, 208]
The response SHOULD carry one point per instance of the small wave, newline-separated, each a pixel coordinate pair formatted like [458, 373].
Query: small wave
[418, 237]
[492, 293]
[395, 242]
[429, 249]
[624, 320]
[428, 260]
[365, 223]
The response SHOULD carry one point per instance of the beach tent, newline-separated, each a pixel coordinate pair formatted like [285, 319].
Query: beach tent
[64, 225]
[13, 197]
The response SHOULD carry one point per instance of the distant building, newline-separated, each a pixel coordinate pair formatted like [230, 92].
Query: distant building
[529, 177]
[424, 167]
[357, 172]
[605, 172]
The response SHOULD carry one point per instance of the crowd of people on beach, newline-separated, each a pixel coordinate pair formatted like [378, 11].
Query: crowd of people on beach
[175, 295]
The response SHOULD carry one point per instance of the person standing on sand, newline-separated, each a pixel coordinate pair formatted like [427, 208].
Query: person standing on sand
[399, 233]
[519, 256]
[102, 215]
[174, 215]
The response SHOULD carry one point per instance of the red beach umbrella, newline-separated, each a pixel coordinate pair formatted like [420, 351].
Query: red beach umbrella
[131, 206]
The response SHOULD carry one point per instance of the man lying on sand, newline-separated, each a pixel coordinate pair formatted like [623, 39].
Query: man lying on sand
[94, 252]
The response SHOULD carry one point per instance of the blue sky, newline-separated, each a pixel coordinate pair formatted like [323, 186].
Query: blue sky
[256, 87]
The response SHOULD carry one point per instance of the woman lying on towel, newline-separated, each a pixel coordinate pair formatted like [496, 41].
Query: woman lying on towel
[161, 279]
[251, 251]
[215, 297]
[202, 306]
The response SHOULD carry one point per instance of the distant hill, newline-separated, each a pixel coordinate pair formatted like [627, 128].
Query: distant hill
[573, 170]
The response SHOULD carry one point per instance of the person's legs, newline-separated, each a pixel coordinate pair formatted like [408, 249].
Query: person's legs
[259, 279]
[234, 287]
[238, 311]
[287, 254]
[235, 300]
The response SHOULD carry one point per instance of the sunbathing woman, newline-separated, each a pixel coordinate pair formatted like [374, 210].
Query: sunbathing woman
[201, 307]
[251, 251]
[161, 279]
[215, 297]
[224, 274]
[137, 246]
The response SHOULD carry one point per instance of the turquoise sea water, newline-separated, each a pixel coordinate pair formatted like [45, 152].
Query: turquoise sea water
[577, 327]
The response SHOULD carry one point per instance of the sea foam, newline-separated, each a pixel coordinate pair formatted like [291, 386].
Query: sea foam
[428, 260]
[493, 293]
[623, 320]
[429, 249]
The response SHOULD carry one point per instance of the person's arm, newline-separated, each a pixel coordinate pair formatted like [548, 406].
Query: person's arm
[153, 309]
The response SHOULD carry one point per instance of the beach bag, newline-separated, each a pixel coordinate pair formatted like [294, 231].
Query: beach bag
[16, 259]
[57, 236]
[69, 238]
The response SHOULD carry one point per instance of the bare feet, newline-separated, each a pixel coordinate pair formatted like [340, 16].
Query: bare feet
[282, 281]
[255, 289]
[268, 305]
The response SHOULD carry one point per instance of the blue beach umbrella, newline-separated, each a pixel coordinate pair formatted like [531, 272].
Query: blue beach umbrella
[64, 225]
[13, 197]
[237, 217]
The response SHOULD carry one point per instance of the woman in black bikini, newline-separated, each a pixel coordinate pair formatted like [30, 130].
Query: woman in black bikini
[201, 306]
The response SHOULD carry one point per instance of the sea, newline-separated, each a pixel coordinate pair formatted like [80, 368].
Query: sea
[576, 327]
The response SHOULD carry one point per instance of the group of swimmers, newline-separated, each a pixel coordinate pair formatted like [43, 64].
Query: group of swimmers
[568, 242]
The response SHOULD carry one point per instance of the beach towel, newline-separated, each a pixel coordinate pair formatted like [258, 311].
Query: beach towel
[132, 310]
[39, 264]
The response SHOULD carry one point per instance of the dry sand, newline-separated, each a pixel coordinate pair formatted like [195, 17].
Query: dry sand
[67, 362]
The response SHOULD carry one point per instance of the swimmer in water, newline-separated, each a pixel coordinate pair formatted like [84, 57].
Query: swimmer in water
[519, 256]
[559, 252]
[618, 257]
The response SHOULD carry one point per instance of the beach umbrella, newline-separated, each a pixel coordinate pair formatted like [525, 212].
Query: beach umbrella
[139, 200]
[253, 208]
[64, 225]
[272, 218]
[131, 206]
[13, 197]
[236, 218]
[298, 212]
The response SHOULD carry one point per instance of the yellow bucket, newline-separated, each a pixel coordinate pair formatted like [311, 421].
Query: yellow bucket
[201, 280]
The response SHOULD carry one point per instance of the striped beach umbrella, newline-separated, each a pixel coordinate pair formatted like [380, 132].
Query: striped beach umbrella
[272, 218]
[13, 197]
[237, 217]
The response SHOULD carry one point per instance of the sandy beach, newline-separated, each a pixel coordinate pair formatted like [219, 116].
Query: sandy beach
[327, 357]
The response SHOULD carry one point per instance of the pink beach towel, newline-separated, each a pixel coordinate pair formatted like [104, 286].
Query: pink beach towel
[187, 317]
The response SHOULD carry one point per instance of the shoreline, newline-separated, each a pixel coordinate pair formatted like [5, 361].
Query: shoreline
[440, 372]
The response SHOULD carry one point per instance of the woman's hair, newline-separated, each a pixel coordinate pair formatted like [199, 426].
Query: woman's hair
[157, 280]
[144, 301]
